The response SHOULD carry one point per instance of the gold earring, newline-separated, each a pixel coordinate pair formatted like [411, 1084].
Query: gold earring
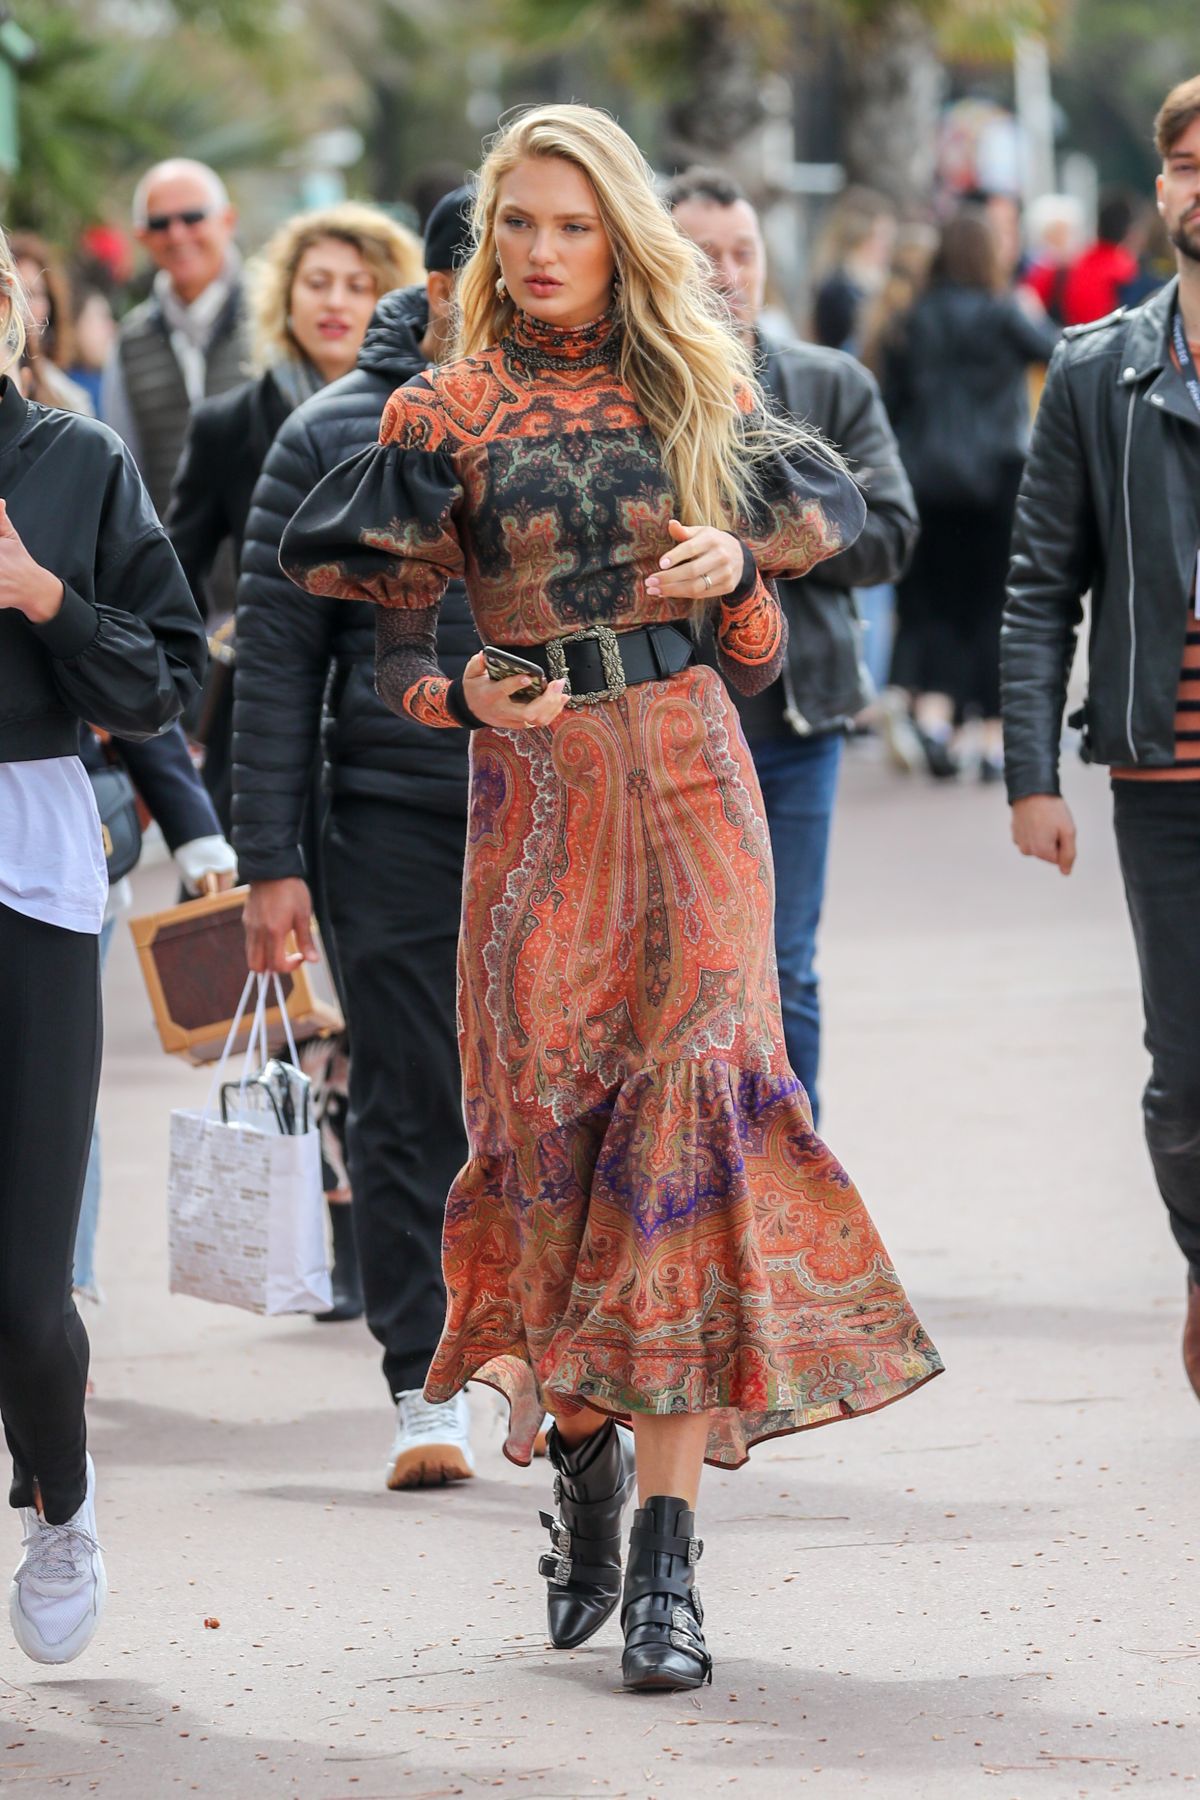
[501, 290]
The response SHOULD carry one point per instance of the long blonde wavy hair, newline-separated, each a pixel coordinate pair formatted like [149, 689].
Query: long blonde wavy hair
[679, 354]
[14, 308]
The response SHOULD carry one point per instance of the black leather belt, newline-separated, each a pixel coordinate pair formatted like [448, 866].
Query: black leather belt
[600, 664]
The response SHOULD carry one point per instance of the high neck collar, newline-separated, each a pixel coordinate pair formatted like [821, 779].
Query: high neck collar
[539, 344]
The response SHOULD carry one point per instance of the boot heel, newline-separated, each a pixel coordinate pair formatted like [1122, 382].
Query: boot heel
[661, 1614]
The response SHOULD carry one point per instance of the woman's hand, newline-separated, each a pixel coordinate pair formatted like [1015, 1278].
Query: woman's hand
[24, 585]
[704, 565]
[490, 700]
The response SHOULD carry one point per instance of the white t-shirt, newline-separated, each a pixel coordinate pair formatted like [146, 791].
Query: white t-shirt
[52, 863]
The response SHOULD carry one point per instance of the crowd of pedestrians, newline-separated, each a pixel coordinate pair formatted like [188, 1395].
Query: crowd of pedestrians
[438, 505]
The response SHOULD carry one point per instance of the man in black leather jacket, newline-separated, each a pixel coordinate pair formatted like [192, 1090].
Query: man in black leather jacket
[795, 729]
[1110, 503]
[393, 857]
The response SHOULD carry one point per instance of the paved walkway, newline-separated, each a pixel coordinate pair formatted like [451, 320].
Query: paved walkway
[989, 1590]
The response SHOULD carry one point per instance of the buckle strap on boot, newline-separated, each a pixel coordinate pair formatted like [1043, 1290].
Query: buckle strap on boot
[583, 1569]
[563, 1565]
[662, 1615]
[563, 1495]
[675, 1587]
[666, 1543]
[685, 1635]
[683, 1632]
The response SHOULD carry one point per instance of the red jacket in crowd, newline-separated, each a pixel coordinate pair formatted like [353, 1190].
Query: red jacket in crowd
[1094, 282]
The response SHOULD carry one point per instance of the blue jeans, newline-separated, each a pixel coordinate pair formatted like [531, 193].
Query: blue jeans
[84, 1274]
[877, 610]
[798, 777]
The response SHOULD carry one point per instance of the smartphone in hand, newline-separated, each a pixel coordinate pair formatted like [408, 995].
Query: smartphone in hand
[500, 664]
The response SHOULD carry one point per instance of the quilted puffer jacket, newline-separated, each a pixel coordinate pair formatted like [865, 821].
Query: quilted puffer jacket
[298, 653]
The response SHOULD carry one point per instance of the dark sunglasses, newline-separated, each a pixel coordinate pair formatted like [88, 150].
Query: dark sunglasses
[195, 215]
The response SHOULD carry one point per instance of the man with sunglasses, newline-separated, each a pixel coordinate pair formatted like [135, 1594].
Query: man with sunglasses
[189, 339]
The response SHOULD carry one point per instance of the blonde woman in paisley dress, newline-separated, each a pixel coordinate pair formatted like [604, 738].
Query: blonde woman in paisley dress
[647, 1229]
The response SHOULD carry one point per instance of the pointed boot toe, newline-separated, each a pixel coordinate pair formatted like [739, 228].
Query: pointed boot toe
[593, 1484]
[575, 1617]
[661, 1613]
[661, 1669]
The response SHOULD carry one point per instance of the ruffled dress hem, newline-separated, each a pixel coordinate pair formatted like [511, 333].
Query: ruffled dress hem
[688, 1245]
[526, 1403]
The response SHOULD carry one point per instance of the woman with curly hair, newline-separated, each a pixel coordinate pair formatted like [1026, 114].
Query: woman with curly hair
[312, 293]
[647, 1229]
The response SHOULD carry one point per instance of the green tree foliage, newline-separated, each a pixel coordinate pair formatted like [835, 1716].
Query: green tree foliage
[1119, 60]
[244, 24]
[654, 39]
[96, 104]
[705, 60]
[117, 82]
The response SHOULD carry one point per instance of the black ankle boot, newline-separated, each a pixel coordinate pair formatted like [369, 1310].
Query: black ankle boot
[344, 1277]
[661, 1615]
[593, 1483]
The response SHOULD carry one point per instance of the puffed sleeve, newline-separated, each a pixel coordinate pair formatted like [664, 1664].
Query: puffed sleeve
[807, 507]
[383, 527]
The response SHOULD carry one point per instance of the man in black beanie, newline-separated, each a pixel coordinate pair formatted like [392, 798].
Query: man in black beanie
[392, 852]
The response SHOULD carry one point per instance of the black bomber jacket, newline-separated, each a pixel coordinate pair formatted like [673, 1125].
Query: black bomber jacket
[1110, 502]
[126, 649]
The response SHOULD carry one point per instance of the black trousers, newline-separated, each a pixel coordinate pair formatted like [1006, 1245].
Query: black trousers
[393, 881]
[50, 1025]
[950, 602]
[1158, 840]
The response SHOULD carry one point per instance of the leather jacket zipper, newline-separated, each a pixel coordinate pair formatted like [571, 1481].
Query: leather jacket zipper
[1131, 572]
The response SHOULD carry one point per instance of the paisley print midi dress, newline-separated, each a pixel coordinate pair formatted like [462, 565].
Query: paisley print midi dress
[647, 1221]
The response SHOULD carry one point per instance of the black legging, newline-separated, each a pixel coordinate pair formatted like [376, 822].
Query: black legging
[50, 1028]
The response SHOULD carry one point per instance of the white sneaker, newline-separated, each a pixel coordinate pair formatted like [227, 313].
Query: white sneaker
[900, 735]
[59, 1589]
[433, 1442]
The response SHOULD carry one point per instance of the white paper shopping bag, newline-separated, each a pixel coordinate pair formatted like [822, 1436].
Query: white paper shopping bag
[245, 1207]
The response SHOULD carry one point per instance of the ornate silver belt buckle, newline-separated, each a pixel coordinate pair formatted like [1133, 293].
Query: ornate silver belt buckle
[610, 658]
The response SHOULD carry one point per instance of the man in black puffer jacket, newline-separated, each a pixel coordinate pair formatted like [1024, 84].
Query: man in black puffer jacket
[392, 854]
